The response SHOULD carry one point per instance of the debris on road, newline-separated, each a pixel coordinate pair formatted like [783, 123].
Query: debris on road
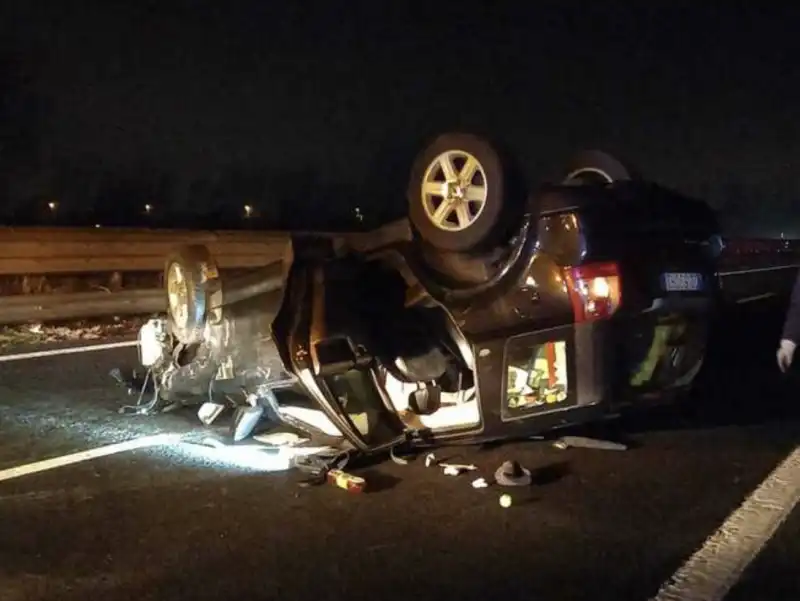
[245, 420]
[511, 473]
[346, 481]
[280, 439]
[583, 442]
[209, 412]
[480, 483]
[456, 469]
[506, 501]
[37, 333]
[260, 456]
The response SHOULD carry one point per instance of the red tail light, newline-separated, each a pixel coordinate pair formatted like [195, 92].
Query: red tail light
[595, 290]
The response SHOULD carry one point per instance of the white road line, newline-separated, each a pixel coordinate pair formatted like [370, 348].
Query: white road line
[757, 270]
[67, 351]
[64, 460]
[757, 297]
[711, 572]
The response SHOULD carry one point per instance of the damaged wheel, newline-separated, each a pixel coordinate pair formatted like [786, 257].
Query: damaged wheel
[594, 167]
[458, 192]
[187, 274]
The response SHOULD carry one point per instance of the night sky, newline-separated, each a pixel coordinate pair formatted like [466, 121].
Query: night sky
[700, 98]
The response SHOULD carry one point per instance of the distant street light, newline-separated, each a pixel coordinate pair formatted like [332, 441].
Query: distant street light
[52, 205]
[248, 211]
[148, 208]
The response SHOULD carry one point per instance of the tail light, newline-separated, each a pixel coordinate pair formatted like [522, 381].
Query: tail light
[595, 290]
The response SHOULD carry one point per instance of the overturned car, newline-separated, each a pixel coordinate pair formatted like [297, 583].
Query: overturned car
[489, 313]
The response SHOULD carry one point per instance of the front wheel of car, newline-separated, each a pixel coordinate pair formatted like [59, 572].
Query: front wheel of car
[187, 274]
[459, 193]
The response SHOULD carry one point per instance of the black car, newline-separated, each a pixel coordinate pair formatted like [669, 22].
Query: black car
[489, 313]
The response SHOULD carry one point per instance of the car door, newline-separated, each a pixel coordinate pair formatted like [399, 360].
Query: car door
[326, 330]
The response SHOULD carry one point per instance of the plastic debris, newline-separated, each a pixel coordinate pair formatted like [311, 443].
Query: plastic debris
[463, 467]
[511, 473]
[280, 439]
[245, 421]
[430, 459]
[209, 412]
[480, 483]
[346, 481]
[584, 442]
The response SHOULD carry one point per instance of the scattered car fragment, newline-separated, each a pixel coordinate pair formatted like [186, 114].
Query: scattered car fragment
[511, 473]
[584, 442]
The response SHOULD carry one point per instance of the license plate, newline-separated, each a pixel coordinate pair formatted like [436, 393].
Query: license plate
[682, 282]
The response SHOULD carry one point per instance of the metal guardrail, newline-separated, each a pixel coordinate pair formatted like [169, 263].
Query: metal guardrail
[25, 308]
[56, 307]
[45, 251]
[50, 251]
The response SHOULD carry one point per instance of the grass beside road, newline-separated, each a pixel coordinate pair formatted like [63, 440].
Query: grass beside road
[76, 331]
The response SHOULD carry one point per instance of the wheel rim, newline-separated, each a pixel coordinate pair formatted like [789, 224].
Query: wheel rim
[178, 295]
[454, 190]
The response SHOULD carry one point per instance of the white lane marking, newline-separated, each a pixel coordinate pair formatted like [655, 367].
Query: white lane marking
[758, 270]
[757, 297]
[64, 460]
[711, 572]
[67, 351]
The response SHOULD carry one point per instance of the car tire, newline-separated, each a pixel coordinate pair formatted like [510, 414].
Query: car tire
[594, 167]
[188, 273]
[452, 210]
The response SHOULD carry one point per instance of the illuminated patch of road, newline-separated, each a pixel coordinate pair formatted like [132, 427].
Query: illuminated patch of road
[81, 456]
[251, 457]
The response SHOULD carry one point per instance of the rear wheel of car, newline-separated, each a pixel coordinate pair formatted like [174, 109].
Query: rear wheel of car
[594, 167]
[459, 193]
[187, 273]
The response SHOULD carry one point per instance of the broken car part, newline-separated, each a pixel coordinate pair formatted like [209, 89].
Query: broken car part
[583, 442]
[511, 473]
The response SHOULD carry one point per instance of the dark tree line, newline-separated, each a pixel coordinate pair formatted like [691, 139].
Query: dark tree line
[75, 193]
[36, 188]
[79, 192]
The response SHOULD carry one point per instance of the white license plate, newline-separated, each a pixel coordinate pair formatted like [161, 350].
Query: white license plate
[682, 282]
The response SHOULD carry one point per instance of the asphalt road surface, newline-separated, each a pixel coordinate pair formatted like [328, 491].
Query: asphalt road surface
[162, 523]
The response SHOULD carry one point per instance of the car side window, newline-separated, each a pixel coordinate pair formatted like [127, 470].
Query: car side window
[536, 376]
